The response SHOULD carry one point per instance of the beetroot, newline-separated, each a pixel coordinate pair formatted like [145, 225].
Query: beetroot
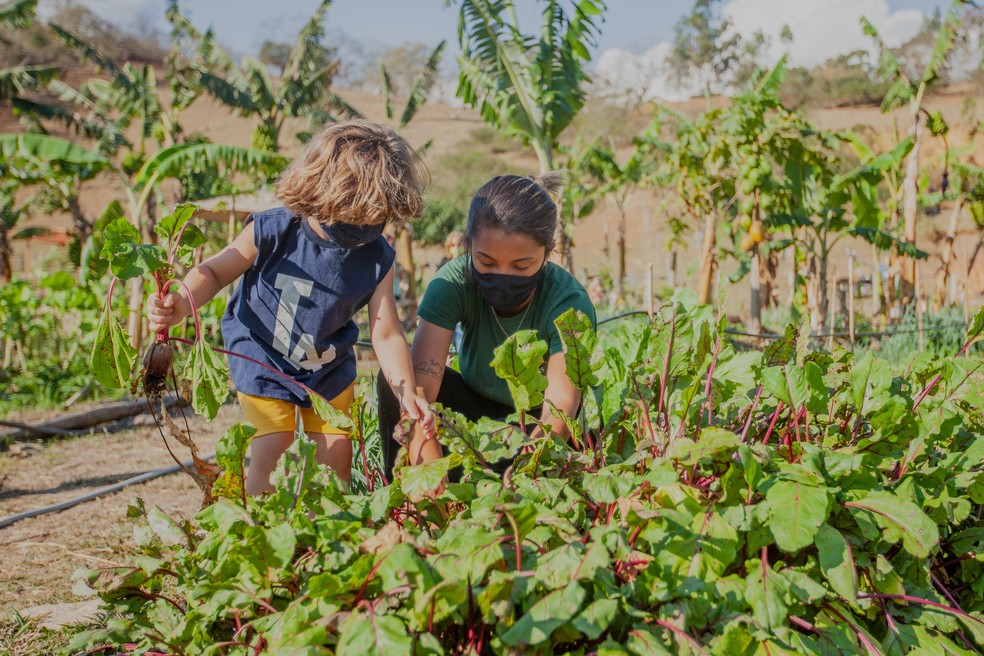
[157, 361]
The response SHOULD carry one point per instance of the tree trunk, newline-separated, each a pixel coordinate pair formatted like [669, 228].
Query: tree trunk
[5, 270]
[940, 296]
[707, 260]
[814, 293]
[756, 300]
[82, 225]
[407, 276]
[910, 207]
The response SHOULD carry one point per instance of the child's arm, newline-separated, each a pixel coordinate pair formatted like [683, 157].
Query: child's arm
[393, 354]
[204, 282]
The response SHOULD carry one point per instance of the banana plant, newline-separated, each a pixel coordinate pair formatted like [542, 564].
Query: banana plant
[303, 89]
[15, 81]
[529, 86]
[416, 98]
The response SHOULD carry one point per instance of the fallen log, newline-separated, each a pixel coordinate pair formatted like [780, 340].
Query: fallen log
[80, 423]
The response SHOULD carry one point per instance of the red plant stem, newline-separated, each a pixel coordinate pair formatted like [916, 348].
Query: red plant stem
[751, 412]
[772, 424]
[708, 386]
[191, 302]
[683, 634]
[257, 362]
[924, 602]
[663, 403]
[634, 536]
[854, 627]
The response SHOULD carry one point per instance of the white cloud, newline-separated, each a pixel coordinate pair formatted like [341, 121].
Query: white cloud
[821, 28]
[121, 12]
[631, 78]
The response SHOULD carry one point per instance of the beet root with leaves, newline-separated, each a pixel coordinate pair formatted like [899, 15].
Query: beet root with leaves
[709, 501]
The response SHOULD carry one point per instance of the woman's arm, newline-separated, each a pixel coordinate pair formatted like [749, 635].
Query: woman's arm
[561, 393]
[429, 353]
[393, 353]
[204, 281]
[430, 350]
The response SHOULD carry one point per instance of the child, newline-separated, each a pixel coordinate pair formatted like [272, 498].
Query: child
[307, 268]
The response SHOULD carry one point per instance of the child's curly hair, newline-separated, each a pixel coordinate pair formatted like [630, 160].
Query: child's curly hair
[356, 172]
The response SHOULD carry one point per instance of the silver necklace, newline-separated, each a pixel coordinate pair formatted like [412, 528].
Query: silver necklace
[521, 319]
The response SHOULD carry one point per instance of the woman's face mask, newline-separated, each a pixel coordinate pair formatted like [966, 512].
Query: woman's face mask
[351, 236]
[505, 292]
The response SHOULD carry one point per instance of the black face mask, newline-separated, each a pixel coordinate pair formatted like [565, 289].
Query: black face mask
[504, 292]
[351, 236]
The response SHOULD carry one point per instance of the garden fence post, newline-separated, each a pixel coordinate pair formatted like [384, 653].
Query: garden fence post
[650, 309]
[850, 297]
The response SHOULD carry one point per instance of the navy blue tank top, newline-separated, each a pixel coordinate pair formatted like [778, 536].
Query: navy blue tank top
[293, 308]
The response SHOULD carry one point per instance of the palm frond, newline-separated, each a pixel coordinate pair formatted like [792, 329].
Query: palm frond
[27, 233]
[237, 98]
[945, 39]
[303, 56]
[18, 80]
[422, 86]
[18, 14]
[386, 85]
[172, 162]
[89, 52]
[50, 151]
[261, 86]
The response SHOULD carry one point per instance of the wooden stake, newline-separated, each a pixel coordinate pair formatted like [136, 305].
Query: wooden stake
[831, 301]
[966, 295]
[919, 306]
[650, 302]
[850, 297]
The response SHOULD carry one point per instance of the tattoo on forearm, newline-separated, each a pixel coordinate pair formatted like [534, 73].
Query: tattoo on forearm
[431, 368]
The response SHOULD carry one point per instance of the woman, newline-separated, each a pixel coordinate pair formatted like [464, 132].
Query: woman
[503, 284]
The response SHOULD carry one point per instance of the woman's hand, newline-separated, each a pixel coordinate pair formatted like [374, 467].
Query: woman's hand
[417, 409]
[160, 311]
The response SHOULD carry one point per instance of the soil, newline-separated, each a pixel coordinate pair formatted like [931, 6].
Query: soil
[39, 555]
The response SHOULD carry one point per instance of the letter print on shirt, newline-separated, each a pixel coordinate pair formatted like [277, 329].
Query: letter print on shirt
[304, 354]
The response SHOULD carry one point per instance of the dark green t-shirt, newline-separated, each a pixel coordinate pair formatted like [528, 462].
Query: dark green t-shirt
[453, 297]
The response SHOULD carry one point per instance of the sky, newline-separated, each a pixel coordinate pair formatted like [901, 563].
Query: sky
[631, 25]
[635, 36]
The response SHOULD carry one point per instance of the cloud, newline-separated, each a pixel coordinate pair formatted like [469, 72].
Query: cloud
[113, 11]
[821, 28]
[631, 78]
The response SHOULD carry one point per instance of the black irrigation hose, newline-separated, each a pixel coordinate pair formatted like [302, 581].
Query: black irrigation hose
[63, 505]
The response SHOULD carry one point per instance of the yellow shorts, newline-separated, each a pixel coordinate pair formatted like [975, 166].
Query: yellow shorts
[276, 416]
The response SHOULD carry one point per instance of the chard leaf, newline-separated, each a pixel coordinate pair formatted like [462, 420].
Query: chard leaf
[796, 512]
[517, 360]
[765, 591]
[209, 375]
[583, 356]
[548, 614]
[230, 454]
[127, 256]
[112, 358]
[919, 533]
[837, 562]
[421, 481]
[337, 418]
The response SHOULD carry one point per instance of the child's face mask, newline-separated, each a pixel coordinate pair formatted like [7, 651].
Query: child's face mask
[351, 236]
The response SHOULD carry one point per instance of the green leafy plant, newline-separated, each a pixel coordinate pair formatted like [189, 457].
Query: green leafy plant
[791, 502]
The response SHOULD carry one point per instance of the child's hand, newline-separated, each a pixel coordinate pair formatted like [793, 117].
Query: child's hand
[416, 407]
[160, 311]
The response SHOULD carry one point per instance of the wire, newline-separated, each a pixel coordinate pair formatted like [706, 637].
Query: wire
[63, 505]
[877, 333]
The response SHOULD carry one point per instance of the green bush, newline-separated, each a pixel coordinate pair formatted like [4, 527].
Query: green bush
[440, 217]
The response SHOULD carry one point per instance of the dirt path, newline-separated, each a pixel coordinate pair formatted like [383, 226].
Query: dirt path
[39, 555]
